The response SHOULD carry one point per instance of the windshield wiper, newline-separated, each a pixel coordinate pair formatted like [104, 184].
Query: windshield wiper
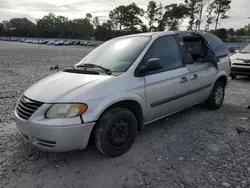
[90, 65]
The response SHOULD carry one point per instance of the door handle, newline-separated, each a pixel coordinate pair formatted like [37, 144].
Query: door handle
[194, 76]
[184, 79]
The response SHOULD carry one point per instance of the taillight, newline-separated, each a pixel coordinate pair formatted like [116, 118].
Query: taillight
[230, 62]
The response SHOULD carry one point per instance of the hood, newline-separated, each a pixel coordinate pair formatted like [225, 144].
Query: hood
[241, 56]
[63, 86]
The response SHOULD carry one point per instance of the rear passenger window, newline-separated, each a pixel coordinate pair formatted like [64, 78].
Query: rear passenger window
[217, 45]
[166, 49]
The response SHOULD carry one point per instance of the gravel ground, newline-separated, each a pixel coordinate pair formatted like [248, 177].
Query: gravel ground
[194, 148]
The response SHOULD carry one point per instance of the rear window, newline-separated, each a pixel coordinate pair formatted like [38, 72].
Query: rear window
[217, 45]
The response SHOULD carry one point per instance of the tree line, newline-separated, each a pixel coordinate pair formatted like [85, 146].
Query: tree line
[128, 19]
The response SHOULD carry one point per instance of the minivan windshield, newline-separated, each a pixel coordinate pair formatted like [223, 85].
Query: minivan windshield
[117, 54]
[246, 49]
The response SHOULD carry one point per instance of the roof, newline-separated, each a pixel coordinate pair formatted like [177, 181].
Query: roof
[149, 34]
[162, 33]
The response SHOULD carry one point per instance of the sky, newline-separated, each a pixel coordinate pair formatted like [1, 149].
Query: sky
[34, 9]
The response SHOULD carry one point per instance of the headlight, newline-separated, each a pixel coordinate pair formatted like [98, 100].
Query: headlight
[66, 110]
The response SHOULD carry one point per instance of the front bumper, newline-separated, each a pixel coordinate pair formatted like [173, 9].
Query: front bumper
[240, 70]
[55, 139]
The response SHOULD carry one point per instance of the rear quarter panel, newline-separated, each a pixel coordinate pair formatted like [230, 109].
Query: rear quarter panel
[223, 70]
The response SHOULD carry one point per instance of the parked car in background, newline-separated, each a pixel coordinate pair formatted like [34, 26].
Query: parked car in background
[232, 49]
[82, 43]
[45, 41]
[51, 42]
[67, 42]
[59, 43]
[56, 42]
[119, 87]
[240, 63]
[88, 43]
[21, 40]
[77, 42]
[42, 41]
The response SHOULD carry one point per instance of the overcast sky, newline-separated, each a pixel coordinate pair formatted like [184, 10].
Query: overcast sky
[33, 9]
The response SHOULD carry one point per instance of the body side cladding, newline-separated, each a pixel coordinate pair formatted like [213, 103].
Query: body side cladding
[157, 103]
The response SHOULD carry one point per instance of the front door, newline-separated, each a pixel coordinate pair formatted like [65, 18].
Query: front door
[166, 89]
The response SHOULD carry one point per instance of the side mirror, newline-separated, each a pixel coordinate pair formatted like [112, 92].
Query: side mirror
[152, 65]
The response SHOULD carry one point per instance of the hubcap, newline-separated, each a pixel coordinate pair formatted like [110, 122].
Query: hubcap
[119, 133]
[219, 94]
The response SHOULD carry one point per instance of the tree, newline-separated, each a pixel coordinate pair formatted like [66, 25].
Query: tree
[53, 26]
[108, 24]
[127, 17]
[240, 32]
[102, 33]
[221, 8]
[210, 17]
[117, 16]
[89, 16]
[81, 28]
[151, 13]
[96, 21]
[192, 5]
[132, 16]
[20, 27]
[1, 29]
[173, 16]
[201, 5]
[144, 28]
[231, 32]
[154, 14]
[247, 28]
[221, 33]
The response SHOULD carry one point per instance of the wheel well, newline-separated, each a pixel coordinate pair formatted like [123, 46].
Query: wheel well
[134, 107]
[222, 79]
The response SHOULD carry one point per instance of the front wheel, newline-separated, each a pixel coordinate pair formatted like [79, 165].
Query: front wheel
[115, 132]
[216, 97]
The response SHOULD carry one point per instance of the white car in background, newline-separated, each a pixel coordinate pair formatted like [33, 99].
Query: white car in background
[240, 63]
[88, 43]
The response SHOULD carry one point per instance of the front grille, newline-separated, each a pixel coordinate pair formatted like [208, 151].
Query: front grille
[26, 107]
[241, 64]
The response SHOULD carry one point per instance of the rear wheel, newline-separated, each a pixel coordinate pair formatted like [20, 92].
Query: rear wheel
[233, 76]
[115, 132]
[216, 97]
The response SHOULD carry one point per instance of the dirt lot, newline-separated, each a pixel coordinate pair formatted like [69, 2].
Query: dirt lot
[194, 148]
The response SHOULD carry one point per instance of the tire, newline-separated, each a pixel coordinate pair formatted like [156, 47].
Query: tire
[216, 97]
[233, 76]
[112, 122]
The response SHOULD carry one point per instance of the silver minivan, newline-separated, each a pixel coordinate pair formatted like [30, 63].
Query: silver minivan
[119, 87]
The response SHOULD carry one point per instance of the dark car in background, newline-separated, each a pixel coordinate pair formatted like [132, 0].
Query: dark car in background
[232, 49]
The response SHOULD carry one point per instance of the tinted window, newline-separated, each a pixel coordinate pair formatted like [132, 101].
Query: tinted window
[117, 54]
[166, 49]
[217, 45]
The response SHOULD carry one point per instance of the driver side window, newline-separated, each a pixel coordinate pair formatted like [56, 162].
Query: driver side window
[166, 49]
